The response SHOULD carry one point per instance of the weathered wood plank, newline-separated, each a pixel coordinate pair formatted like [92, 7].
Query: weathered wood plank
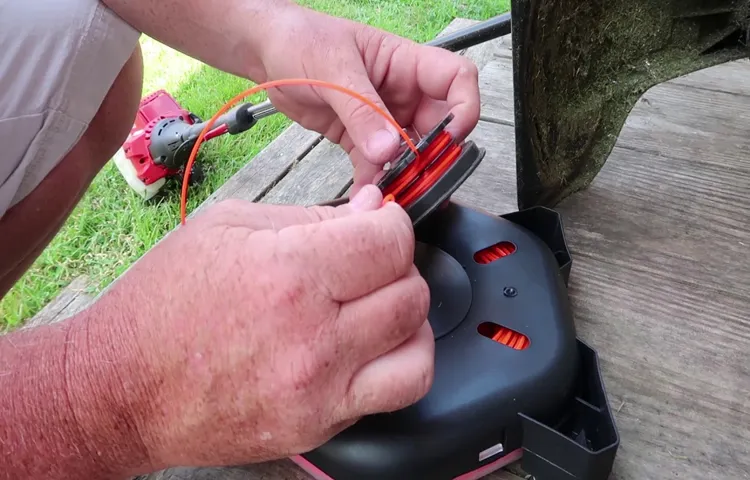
[663, 295]
[668, 238]
[323, 174]
[283, 469]
[689, 123]
[496, 88]
[665, 111]
[492, 186]
[268, 167]
[71, 300]
[483, 53]
[729, 77]
[686, 203]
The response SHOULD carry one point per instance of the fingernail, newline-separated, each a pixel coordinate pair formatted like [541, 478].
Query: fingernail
[368, 197]
[381, 144]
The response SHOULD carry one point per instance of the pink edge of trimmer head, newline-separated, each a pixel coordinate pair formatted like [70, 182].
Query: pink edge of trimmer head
[481, 472]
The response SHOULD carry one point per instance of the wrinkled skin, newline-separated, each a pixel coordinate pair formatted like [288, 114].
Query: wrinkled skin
[416, 84]
[255, 331]
[291, 323]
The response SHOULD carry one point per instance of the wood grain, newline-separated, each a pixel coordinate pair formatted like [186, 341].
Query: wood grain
[268, 167]
[496, 87]
[729, 77]
[492, 186]
[280, 470]
[483, 53]
[691, 124]
[322, 175]
[669, 119]
[663, 294]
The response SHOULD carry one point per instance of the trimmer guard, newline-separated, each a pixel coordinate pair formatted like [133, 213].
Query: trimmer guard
[534, 391]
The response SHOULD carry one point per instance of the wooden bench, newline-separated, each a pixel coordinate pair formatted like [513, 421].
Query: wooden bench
[660, 284]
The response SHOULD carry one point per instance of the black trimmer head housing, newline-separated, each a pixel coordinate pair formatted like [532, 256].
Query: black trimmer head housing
[512, 381]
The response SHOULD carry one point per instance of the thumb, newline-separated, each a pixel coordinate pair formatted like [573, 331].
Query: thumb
[372, 135]
[367, 198]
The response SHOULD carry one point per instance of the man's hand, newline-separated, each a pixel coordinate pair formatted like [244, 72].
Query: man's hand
[277, 39]
[267, 329]
[418, 85]
[255, 332]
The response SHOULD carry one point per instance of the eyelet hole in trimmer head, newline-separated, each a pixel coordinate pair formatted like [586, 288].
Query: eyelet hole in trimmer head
[421, 183]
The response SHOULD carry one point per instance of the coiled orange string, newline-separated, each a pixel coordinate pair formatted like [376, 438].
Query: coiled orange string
[494, 252]
[266, 86]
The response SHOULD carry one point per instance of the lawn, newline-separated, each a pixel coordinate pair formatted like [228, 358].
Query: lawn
[112, 227]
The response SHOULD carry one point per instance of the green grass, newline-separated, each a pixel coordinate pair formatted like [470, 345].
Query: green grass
[112, 227]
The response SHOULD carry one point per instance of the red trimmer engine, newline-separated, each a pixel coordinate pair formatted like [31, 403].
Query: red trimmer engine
[154, 110]
[163, 135]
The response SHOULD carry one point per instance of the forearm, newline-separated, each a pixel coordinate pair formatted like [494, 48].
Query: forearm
[65, 409]
[224, 34]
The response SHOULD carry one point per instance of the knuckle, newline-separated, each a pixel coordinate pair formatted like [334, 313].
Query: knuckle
[411, 309]
[319, 213]
[358, 110]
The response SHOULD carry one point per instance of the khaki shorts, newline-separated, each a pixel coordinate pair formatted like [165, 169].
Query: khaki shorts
[58, 60]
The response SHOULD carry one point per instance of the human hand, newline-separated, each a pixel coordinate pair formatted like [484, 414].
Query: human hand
[263, 331]
[418, 85]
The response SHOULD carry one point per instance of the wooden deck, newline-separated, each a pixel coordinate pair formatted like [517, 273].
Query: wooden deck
[660, 284]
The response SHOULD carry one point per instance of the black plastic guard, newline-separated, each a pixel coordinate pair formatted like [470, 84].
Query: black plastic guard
[577, 440]
[572, 436]
[583, 444]
[547, 225]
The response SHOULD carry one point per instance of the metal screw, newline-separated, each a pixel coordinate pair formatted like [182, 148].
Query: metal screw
[510, 291]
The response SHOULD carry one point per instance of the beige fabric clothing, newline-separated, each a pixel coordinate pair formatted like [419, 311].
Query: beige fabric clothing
[58, 60]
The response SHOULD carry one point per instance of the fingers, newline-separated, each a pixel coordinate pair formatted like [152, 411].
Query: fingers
[365, 199]
[365, 173]
[380, 321]
[354, 255]
[456, 83]
[372, 134]
[395, 380]
[441, 81]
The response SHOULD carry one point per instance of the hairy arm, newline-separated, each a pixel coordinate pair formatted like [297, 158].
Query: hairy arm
[70, 395]
[224, 34]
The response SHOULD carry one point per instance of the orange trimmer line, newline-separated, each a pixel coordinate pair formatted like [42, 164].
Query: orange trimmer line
[266, 86]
